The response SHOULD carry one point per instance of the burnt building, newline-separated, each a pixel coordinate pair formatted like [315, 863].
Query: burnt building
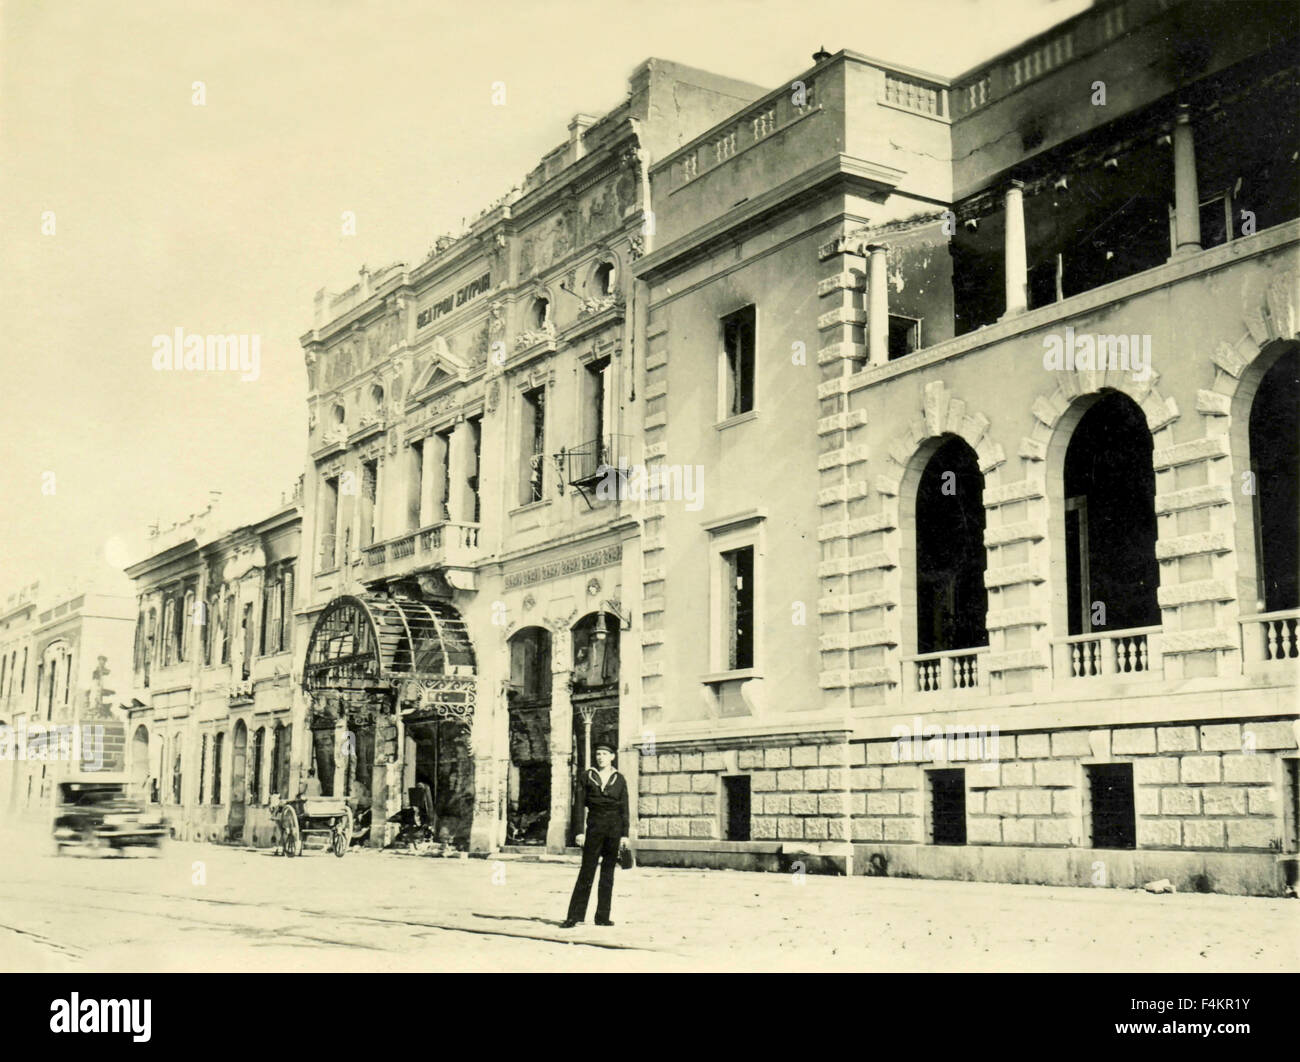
[994, 379]
[472, 586]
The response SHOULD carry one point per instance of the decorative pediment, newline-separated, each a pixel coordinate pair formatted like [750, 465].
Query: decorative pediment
[442, 369]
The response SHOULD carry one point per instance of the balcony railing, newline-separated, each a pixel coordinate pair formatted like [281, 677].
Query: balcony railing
[1117, 654]
[590, 461]
[447, 542]
[952, 669]
[1269, 638]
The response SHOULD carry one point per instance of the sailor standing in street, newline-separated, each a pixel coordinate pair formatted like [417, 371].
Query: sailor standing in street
[604, 801]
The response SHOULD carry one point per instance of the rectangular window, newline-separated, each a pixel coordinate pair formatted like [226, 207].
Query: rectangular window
[277, 741]
[946, 792]
[904, 336]
[255, 776]
[738, 572]
[414, 484]
[736, 807]
[286, 609]
[476, 464]
[533, 436]
[22, 682]
[169, 629]
[738, 334]
[369, 500]
[246, 630]
[218, 743]
[227, 623]
[329, 522]
[1216, 221]
[203, 765]
[1111, 808]
[444, 455]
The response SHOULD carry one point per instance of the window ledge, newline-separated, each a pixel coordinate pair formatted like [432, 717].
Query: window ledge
[530, 506]
[739, 418]
[731, 676]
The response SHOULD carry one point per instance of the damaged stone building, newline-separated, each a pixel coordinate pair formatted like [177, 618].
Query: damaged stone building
[900, 470]
[472, 588]
[211, 704]
[995, 382]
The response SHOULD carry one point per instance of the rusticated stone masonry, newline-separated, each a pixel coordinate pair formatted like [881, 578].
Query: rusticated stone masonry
[797, 792]
[1211, 787]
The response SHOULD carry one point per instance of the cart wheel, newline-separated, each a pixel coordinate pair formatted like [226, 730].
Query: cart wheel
[343, 833]
[290, 832]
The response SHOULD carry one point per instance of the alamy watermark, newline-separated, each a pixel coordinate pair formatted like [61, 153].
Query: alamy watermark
[235, 352]
[654, 483]
[1131, 353]
[951, 744]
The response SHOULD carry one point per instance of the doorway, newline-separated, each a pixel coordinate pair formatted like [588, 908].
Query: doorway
[238, 783]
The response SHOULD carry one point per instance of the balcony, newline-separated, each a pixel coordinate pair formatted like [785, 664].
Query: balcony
[1270, 641]
[588, 463]
[448, 544]
[1130, 654]
[954, 670]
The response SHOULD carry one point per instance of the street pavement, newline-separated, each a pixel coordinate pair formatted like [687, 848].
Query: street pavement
[210, 908]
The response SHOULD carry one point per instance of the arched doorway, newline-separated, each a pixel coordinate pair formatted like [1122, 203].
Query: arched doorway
[391, 681]
[238, 782]
[951, 599]
[1275, 469]
[528, 784]
[1110, 519]
[1110, 607]
[140, 784]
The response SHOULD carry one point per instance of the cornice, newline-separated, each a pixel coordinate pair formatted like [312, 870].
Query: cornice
[837, 168]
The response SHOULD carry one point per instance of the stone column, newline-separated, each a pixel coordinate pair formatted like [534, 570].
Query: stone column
[877, 305]
[485, 747]
[460, 499]
[386, 780]
[561, 759]
[1015, 259]
[1187, 200]
[341, 748]
[429, 479]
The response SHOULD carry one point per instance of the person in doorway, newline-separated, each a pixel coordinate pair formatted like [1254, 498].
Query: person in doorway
[604, 804]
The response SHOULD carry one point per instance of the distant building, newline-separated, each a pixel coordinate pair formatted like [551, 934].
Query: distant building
[64, 655]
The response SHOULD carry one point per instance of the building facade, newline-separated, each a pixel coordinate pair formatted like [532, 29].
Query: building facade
[994, 381]
[63, 655]
[473, 567]
[212, 708]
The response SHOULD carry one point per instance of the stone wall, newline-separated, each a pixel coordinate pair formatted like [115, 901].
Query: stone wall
[798, 792]
[1215, 786]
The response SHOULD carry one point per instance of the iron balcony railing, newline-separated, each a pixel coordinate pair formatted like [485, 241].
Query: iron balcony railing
[587, 463]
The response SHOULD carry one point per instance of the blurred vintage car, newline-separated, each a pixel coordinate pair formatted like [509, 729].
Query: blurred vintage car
[101, 815]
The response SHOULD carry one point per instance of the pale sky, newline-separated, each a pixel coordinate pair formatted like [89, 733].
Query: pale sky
[226, 217]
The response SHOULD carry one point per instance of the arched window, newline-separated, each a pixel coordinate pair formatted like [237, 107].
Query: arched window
[541, 312]
[603, 278]
[951, 599]
[1275, 470]
[1110, 519]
